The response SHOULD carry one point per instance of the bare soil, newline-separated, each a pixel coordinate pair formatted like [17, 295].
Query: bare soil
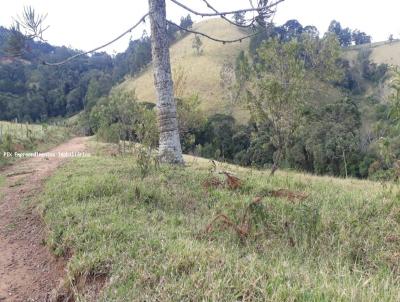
[28, 271]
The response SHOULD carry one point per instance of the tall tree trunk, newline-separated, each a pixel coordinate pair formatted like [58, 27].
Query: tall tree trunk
[170, 150]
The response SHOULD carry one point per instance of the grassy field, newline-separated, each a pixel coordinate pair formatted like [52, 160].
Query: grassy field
[304, 238]
[16, 137]
[26, 131]
[203, 72]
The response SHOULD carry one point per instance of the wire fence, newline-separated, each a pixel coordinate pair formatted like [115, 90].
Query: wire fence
[24, 130]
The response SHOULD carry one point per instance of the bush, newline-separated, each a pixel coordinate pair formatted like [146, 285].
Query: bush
[109, 133]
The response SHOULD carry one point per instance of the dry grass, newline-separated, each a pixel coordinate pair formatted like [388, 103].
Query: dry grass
[203, 72]
[382, 53]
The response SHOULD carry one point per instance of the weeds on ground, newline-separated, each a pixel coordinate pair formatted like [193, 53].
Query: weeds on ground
[2, 183]
[146, 160]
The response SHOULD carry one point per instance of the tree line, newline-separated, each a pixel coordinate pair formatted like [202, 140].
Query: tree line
[310, 121]
[33, 92]
[306, 101]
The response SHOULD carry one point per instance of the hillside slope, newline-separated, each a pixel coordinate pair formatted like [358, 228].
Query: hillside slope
[382, 52]
[203, 72]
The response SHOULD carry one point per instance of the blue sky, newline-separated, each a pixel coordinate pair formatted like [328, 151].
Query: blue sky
[85, 24]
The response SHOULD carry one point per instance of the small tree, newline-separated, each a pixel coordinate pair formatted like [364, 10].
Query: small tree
[360, 37]
[228, 85]
[197, 45]
[191, 120]
[394, 113]
[283, 79]
[186, 22]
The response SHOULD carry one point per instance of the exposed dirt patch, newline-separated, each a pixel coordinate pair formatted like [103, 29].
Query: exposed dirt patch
[91, 285]
[28, 271]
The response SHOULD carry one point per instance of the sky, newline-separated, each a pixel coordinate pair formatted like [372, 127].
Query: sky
[86, 24]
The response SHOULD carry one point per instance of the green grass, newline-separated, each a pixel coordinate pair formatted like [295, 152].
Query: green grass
[30, 131]
[2, 181]
[340, 244]
[20, 130]
[16, 137]
[2, 184]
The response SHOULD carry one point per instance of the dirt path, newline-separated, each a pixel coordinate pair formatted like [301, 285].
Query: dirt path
[28, 272]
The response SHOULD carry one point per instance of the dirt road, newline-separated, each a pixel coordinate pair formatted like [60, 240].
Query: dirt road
[28, 271]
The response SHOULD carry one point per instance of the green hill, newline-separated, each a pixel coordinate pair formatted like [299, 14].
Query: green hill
[203, 71]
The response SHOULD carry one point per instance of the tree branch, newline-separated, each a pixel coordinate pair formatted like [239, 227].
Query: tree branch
[212, 38]
[32, 23]
[100, 47]
[226, 19]
[219, 14]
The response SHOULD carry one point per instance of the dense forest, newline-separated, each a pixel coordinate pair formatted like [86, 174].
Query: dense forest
[316, 123]
[31, 91]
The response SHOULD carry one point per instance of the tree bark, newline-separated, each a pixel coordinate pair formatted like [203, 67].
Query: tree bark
[170, 150]
[277, 158]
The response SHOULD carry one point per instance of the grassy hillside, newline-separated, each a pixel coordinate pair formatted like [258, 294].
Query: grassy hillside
[382, 52]
[203, 72]
[147, 239]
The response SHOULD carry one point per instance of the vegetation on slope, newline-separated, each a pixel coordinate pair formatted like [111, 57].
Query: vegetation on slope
[203, 71]
[337, 131]
[31, 91]
[319, 239]
[17, 137]
[2, 181]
